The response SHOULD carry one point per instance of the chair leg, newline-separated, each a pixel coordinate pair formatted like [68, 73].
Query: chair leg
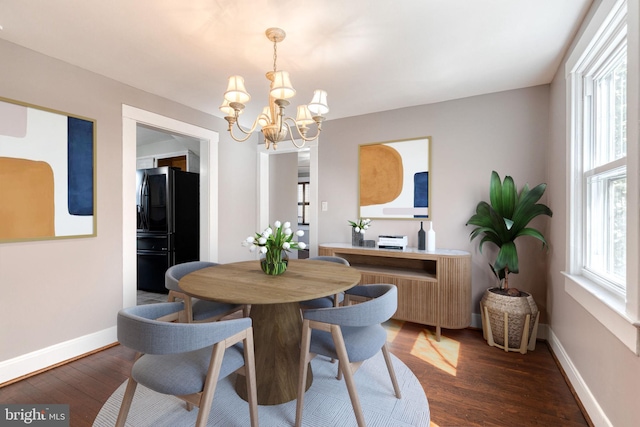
[210, 384]
[188, 310]
[250, 374]
[345, 366]
[392, 372]
[129, 392]
[305, 342]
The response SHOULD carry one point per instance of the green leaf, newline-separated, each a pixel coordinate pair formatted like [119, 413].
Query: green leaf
[507, 258]
[533, 233]
[509, 197]
[507, 218]
[495, 191]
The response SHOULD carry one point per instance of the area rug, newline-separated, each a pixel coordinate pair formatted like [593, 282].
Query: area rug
[326, 402]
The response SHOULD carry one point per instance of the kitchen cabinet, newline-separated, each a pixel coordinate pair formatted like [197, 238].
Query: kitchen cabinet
[186, 161]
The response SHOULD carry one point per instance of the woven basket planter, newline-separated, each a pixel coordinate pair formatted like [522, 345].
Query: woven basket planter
[509, 323]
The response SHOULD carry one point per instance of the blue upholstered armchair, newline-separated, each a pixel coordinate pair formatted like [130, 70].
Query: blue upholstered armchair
[185, 360]
[330, 301]
[352, 334]
[196, 310]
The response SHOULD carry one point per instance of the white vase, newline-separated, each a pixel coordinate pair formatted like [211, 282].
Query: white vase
[431, 239]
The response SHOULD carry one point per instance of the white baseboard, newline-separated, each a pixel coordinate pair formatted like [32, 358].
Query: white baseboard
[31, 362]
[597, 415]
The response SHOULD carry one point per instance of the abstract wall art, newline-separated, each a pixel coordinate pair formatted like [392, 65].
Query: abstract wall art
[47, 173]
[394, 179]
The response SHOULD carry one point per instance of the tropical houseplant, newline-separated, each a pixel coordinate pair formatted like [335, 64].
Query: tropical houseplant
[501, 222]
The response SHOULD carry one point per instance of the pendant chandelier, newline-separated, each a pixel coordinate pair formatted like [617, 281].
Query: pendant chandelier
[275, 126]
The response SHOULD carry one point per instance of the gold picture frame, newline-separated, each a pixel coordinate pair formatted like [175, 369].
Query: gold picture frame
[395, 179]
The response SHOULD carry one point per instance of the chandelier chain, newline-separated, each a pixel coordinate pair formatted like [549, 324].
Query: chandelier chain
[275, 55]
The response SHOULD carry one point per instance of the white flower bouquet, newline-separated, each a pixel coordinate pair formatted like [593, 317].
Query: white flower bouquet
[272, 243]
[361, 225]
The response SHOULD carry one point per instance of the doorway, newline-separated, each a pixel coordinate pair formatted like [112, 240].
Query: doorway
[263, 193]
[131, 118]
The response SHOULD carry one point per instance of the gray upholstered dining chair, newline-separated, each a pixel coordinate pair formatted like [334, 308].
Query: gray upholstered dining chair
[329, 301]
[196, 310]
[352, 334]
[185, 360]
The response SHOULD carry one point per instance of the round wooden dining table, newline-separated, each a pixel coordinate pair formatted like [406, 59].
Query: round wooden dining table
[275, 313]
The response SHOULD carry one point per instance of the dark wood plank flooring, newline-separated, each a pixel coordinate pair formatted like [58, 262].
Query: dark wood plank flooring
[478, 385]
[466, 382]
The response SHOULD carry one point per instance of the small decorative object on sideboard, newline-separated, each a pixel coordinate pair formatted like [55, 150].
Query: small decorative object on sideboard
[357, 231]
[421, 238]
[393, 242]
[274, 246]
[369, 243]
[431, 238]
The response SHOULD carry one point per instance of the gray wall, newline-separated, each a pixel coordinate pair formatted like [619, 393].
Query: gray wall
[504, 131]
[63, 294]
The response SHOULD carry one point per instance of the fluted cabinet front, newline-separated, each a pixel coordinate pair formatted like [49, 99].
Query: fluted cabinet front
[434, 288]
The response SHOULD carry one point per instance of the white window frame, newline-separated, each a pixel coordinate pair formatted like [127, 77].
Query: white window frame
[301, 202]
[618, 312]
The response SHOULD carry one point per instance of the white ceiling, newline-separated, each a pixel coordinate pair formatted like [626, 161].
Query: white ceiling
[370, 55]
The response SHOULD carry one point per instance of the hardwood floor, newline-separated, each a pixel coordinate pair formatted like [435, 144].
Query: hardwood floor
[466, 382]
[469, 383]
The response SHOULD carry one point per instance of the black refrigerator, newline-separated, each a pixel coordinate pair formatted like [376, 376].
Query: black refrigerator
[168, 230]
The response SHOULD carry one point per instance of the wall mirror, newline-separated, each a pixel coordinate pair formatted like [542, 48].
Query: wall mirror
[395, 179]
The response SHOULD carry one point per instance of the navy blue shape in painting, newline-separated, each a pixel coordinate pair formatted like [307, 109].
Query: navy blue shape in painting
[80, 168]
[421, 192]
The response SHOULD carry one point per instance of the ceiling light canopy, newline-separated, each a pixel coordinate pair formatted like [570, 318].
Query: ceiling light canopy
[275, 126]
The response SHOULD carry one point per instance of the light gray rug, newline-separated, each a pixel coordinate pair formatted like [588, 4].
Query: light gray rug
[326, 402]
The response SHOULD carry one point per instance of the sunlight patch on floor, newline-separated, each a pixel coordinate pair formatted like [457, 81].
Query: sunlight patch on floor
[443, 355]
[393, 327]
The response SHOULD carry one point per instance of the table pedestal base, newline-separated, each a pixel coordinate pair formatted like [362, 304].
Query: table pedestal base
[277, 329]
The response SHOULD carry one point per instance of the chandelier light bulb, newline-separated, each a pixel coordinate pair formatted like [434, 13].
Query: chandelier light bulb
[236, 91]
[226, 109]
[303, 118]
[265, 117]
[281, 87]
[318, 105]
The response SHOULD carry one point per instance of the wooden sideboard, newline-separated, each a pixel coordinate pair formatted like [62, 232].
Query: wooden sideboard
[434, 288]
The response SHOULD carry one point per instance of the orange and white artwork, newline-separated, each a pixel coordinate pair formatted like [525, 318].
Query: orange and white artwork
[394, 179]
[46, 174]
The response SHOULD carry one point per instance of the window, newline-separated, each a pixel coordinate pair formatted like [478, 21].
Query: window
[604, 171]
[602, 174]
[303, 203]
